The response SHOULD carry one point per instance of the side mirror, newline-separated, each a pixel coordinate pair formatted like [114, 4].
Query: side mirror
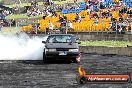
[78, 39]
[43, 41]
[79, 42]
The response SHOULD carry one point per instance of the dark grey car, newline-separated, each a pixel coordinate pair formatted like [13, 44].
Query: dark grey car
[62, 47]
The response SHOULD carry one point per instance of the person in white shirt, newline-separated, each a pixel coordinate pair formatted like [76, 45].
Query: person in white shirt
[69, 24]
[48, 13]
[70, 27]
[88, 10]
[50, 26]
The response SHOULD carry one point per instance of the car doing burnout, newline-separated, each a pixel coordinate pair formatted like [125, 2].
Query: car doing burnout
[61, 46]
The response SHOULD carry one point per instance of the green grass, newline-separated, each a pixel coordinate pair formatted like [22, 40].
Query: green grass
[16, 16]
[23, 4]
[10, 30]
[41, 3]
[106, 43]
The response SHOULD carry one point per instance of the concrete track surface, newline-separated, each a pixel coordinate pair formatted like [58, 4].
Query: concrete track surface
[35, 74]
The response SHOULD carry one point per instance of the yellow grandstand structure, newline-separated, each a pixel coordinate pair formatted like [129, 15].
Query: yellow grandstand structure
[87, 23]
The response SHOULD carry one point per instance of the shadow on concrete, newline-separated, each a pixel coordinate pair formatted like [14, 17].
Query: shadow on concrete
[40, 62]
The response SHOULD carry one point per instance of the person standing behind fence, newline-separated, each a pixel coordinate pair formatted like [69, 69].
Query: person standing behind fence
[50, 27]
[70, 27]
[78, 18]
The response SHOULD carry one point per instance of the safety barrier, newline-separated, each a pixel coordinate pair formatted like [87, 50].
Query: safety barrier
[103, 50]
[116, 37]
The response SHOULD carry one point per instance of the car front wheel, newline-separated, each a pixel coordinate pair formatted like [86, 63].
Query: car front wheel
[74, 60]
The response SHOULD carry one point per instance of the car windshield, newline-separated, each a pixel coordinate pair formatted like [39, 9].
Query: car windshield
[60, 39]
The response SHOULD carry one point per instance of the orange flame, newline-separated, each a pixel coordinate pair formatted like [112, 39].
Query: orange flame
[81, 71]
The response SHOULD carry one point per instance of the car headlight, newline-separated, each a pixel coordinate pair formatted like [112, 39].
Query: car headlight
[73, 50]
[50, 50]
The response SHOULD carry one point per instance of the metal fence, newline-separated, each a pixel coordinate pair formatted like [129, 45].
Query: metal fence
[94, 26]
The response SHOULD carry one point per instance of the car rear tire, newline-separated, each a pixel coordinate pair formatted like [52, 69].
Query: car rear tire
[44, 58]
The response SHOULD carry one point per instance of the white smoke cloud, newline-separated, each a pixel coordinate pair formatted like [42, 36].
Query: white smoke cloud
[21, 47]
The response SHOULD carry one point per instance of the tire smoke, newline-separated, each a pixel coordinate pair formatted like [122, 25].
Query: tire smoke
[21, 47]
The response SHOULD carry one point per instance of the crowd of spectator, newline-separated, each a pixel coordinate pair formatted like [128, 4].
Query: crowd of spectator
[3, 20]
[48, 8]
[96, 9]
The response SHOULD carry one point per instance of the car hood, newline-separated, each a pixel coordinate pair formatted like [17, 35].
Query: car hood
[62, 45]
